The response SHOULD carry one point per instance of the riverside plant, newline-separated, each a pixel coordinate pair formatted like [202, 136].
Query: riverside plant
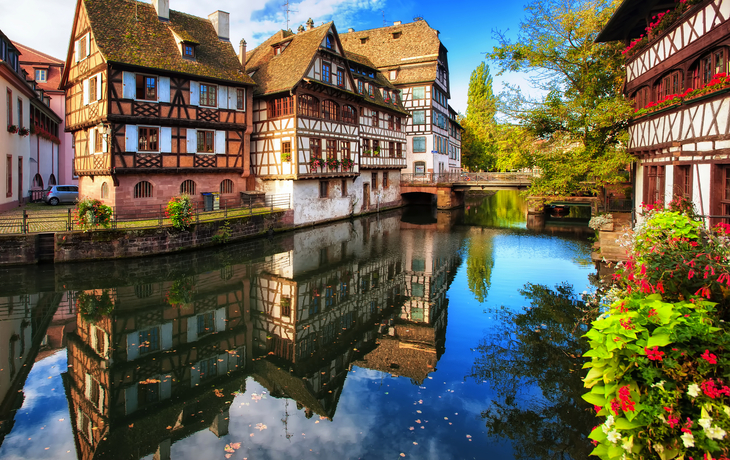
[91, 213]
[599, 221]
[658, 372]
[180, 212]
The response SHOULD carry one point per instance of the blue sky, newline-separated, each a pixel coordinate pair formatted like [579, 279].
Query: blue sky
[466, 26]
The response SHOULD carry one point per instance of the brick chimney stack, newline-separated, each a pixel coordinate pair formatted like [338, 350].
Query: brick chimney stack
[163, 9]
[242, 54]
[310, 24]
[221, 22]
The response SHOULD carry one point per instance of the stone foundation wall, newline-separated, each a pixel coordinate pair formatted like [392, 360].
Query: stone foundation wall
[117, 244]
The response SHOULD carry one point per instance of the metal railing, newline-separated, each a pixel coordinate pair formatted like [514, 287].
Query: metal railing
[466, 177]
[137, 217]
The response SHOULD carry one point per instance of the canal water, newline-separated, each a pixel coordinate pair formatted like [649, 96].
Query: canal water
[409, 334]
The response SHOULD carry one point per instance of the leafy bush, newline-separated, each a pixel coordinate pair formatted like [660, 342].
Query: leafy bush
[658, 370]
[181, 292]
[92, 213]
[92, 307]
[180, 212]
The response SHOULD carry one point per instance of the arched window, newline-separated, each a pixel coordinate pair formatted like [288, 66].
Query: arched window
[669, 84]
[52, 180]
[329, 110]
[349, 114]
[226, 186]
[308, 106]
[37, 181]
[187, 187]
[104, 190]
[143, 189]
[708, 66]
[642, 97]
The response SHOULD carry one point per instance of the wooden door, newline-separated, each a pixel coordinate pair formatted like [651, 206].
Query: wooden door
[366, 196]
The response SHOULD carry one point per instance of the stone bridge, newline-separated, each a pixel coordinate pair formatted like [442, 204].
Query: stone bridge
[449, 188]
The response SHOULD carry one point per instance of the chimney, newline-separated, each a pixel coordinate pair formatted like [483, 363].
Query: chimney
[221, 23]
[310, 24]
[163, 9]
[351, 29]
[300, 29]
[242, 54]
[397, 23]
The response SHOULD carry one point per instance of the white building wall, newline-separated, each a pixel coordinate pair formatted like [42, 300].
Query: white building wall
[13, 146]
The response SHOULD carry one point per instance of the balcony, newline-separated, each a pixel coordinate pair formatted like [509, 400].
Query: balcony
[382, 160]
[97, 164]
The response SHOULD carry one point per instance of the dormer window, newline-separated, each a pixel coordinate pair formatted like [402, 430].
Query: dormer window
[330, 42]
[397, 34]
[277, 50]
[41, 75]
[188, 50]
[393, 74]
[363, 40]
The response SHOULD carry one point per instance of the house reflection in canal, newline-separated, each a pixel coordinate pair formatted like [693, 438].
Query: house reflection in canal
[157, 356]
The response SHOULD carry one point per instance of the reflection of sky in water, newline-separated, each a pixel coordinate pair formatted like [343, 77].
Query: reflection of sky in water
[42, 425]
[376, 411]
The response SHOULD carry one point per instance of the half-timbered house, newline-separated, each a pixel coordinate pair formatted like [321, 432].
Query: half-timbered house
[413, 59]
[327, 129]
[157, 102]
[682, 146]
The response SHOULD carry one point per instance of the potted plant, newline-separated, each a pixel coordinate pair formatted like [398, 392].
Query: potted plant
[376, 151]
[332, 164]
[286, 157]
[23, 132]
[92, 307]
[315, 163]
[12, 129]
[346, 164]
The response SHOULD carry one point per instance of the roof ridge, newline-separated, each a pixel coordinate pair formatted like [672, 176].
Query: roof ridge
[41, 53]
[408, 24]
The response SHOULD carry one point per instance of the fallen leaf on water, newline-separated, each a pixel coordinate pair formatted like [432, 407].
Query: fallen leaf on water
[260, 426]
[236, 445]
[468, 436]
[317, 421]
[251, 435]
[218, 393]
[418, 411]
[402, 454]
[418, 421]
[415, 443]
[169, 427]
[228, 448]
[229, 455]
[61, 419]
[131, 425]
[411, 428]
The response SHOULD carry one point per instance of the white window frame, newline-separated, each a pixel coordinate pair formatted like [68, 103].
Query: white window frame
[87, 51]
[215, 104]
[43, 72]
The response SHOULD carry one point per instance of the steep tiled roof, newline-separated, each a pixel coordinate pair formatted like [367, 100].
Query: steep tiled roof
[416, 42]
[129, 32]
[416, 74]
[31, 58]
[379, 80]
[278, 73]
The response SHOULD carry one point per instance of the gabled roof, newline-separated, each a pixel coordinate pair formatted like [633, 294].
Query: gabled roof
[416, 42]
[34, 58]
[629, 19]
[281, 72]
[129, 32]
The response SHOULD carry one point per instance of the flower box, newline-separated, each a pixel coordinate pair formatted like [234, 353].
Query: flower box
[708, 95]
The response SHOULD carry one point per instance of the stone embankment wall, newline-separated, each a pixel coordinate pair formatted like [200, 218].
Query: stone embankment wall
[117, 244]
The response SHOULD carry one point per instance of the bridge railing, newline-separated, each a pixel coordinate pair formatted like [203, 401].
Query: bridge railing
[465, 177]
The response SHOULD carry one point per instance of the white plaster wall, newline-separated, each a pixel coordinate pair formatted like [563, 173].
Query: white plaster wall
[44, 159]
[65, 152]
[701, 188]
[668, 184]
[13, 144]
[309, 207]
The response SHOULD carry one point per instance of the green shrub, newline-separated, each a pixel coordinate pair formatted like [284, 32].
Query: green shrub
[180, 212]
[92, 213]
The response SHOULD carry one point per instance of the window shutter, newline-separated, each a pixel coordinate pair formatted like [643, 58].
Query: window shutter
[131, 144]
[165, 139]
[193, 330]
[166, 335]
[92, 140]
[77, 51]
[129, 88]
[88, 44]
[130, 399]
[192, 140]
[104, 143]
[132, 346]
[232, 98]
[85, 89]
[102, 401]
[165, 386]
[220, 142]
[220, 320]
[164, 89]
[222, 363]
[222, 97]
[98, 87]
[87, 386]
[195, 374]
[194, 93]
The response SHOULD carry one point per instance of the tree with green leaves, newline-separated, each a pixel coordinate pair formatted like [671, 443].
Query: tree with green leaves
[581, 122]
[478, 146]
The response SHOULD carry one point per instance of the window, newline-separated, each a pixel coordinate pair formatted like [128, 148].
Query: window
[370, 90]
[670, 84]
[285, 306]
[329, 110]
[725, 192]
[308, 106]
[187, 187]
[419, 92]
[349, 114]
[654, 189]
[419, 117]
[147, 139]
[188, 51]
[330, 42]
[208, 95]
[98, 141]
[205, 141]
[397, 124]
[326, 72]
[345, 149]
[240, 99]
[683, 181]
[343, 187]
[52, 180]
[642, 97]
[323, 189]
[375, 116]
[143, 189]
[399, 150]
[391, 122]
[385, 179]
[374, 180]
[41, 75]
[10, 106]
[419, 145]
[279, 107]
[393, 74]
[149, 340]
[226, 186]
[376, 145]
[208, 368]
[359, 86]
[331, 148]
[148, 392]
[142, 291]
[82, 48]
[315, 148]
[93, 89]
[37, 181]
[708, 66]
[9, 176]
[286, 151]
[341, 78]
[20, 113]
[206, 323]
[419, 168]
[146, 88]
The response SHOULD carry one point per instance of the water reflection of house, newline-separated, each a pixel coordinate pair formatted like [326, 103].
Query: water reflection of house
[315, 316]
[141, 376]
[23, 322]
[413, 343]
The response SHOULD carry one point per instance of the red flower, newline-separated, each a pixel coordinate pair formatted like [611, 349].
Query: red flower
[709, 357]
[654, 354]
